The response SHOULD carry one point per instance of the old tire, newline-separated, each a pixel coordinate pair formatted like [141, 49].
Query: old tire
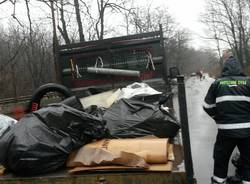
[39, 93]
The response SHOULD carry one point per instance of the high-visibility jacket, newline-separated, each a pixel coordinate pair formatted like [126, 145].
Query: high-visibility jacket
[228, 101]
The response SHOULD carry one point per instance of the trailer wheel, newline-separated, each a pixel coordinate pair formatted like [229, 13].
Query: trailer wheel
[61, 91]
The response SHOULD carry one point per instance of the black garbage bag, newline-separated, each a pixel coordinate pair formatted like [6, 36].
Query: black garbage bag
[74, 102]
[41, 141]
[131, 118]
[96, 111]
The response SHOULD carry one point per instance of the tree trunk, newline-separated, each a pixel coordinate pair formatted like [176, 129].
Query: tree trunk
[55, 42]
[102, 20]
[63, 31]
[78, 19]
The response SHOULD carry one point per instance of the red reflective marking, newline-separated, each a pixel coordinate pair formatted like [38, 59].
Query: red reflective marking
[34, 107]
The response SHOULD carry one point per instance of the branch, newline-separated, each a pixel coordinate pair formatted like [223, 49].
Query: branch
[14, 13]
[117, 7]
[3, 1]
[87, 9]
[46, 2]
[30, 22]
[19, 22]
[65, 37]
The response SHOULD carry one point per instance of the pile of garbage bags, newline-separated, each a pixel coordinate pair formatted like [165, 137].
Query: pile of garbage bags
[42, 141]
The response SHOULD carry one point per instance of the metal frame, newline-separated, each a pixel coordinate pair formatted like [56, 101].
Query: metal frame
[185, 130]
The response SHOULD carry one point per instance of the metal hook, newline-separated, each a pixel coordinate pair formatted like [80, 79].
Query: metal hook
[150, 60]
[98, 59]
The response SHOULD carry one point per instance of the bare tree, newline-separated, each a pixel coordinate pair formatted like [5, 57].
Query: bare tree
[51, 5]
[21, 71]
[148, 19]
[9, 66]
[128, 15]
[229, 21]
[103, 6]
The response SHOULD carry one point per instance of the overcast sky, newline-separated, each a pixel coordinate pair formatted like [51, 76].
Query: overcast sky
[188, 13]
[185, 12]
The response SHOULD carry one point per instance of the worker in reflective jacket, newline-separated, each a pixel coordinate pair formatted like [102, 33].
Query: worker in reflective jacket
[228, 103]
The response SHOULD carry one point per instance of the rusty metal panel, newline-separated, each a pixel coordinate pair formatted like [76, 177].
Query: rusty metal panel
[141, 52]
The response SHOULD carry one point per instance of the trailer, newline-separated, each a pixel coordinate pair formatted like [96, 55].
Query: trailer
[90, 67]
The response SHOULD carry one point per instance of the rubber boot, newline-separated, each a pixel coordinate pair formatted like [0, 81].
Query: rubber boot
[213, 181]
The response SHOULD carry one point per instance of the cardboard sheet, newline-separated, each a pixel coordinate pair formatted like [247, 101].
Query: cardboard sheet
[105, 99]
[87, 161]
[95, 156]
[152, 167]
[151, 150]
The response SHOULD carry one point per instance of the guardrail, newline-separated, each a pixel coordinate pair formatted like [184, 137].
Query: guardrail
[15, 100]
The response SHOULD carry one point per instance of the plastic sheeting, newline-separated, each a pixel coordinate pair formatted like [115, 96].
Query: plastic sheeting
[131, 118]
[5, 123]
[42, 141]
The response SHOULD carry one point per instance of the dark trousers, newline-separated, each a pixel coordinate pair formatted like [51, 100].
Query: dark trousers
[223, 149]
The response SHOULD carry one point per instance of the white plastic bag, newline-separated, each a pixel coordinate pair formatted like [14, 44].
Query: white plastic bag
[5, 123]
[137, 89]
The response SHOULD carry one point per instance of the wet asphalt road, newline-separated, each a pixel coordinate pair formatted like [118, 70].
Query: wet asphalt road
[202, 130]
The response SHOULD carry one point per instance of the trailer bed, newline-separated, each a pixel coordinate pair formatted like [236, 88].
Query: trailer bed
[177, 176]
